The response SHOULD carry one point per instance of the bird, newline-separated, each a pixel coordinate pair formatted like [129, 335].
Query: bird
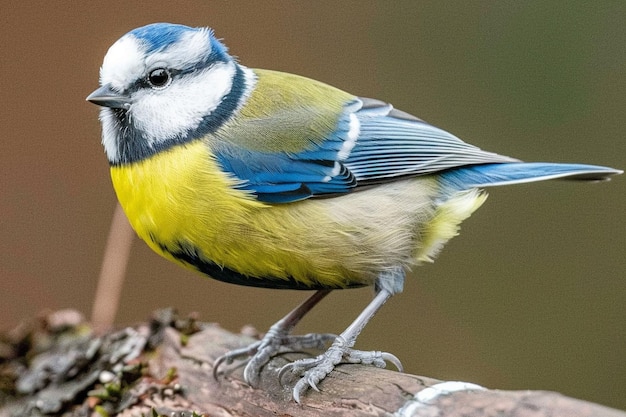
[269, 179]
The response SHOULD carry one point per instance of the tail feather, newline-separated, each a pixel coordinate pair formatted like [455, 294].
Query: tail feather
[491, 175]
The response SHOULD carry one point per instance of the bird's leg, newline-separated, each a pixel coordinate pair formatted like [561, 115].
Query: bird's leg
[315, 369]
[277, 339]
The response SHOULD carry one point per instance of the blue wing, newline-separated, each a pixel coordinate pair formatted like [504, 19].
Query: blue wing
[372, 143]
[394, 144]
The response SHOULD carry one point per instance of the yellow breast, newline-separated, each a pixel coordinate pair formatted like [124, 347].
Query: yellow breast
[184, 207]
[179, 197]
[189, 211]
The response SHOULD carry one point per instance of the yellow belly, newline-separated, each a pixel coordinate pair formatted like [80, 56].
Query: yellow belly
[187, 210]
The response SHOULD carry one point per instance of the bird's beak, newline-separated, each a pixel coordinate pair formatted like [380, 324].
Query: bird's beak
[105, 96]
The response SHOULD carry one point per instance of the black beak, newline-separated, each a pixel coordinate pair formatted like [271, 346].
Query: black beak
[105, 96]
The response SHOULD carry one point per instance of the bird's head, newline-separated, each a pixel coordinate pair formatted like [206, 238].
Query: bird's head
[164, 84]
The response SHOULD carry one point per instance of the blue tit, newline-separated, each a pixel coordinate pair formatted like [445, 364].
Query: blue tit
[268, 179]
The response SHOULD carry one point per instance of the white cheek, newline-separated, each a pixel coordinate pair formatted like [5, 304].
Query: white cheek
[110, 132]
[179, 108]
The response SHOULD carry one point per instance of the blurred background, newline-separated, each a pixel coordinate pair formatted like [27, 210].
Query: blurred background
[531, 295]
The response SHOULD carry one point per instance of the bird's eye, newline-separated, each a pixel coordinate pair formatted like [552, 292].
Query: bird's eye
[159, 78]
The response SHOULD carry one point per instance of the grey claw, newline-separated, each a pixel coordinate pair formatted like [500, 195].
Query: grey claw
[216, 366]
[310, 379]
[251, 376]
[314, 386]
[281, 373]
[261, 352]
[393, 359]
[314, 370]
[299, 389]
[230, 356]
[296, 394]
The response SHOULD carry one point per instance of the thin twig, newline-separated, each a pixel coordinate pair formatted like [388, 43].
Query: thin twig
[112, 273]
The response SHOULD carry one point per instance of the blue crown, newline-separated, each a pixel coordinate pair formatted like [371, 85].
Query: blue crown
[158, 36]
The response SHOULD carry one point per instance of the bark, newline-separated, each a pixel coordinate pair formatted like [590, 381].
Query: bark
[57, 366]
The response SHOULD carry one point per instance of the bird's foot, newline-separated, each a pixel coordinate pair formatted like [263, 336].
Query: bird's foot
[275, 341]
[314, 370]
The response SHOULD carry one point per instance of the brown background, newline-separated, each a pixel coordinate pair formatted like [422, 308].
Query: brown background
[531, 295]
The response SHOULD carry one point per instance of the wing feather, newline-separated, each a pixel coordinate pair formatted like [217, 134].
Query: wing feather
[371, 143]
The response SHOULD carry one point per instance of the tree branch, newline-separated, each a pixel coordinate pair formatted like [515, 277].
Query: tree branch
[55, 366]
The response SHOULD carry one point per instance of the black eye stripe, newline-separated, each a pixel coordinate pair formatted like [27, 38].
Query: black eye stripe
[161, 77]
[148, 81]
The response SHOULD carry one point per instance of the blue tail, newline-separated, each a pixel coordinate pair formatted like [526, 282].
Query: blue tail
[491, 175]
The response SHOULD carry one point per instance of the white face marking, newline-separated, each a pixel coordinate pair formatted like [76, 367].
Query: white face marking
[110, 132]
[164, 113]
[127, 60]
[123, 63]
[250, 81]
[192, 47]
[179, 108]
